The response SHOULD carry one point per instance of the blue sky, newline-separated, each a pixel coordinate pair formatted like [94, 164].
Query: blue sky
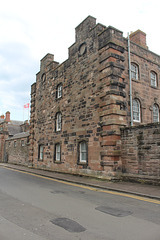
[32, 28]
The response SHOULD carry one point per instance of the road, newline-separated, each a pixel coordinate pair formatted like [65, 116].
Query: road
[37, 208]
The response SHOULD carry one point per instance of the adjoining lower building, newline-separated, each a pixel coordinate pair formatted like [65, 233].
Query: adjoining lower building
[17, 149]
[9, 130]
[78, 107]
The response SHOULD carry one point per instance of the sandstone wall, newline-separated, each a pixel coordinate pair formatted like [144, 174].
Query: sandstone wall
[17, 149]
[141, 151]
[95, 101]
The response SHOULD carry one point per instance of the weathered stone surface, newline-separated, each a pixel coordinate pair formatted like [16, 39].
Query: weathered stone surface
[141, 150]
[95, 101]
[17, 149]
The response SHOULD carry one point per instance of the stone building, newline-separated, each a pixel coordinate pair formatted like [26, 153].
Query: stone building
[8, 129]
[17, 148]
[78, 107]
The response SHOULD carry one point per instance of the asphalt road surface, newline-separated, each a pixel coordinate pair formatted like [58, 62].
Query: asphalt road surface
[38, 208]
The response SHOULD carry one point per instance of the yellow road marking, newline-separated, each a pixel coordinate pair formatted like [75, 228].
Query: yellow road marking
[150, 200]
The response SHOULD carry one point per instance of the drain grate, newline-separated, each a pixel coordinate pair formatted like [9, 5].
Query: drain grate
[68, 224]
[113, 211]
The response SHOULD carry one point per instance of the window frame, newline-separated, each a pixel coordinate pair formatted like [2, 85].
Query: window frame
[57, 152]
[15, 144]
[153, 79]
[134, 72]
[22, 143]
[138, 111]
[157, 114]
[41, 147]
[43, 77]
[84, 151]
[59, 91]
[58, 122]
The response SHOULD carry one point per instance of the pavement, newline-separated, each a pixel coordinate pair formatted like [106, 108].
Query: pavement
[140, 189]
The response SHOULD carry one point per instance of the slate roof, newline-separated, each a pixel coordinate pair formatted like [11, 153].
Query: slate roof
[14, 127]
[19, 135]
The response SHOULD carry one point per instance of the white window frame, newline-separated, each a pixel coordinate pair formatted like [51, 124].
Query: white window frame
[155, 113]
[41, 152]
[15, 144]
[134, 71]
[153, 79]
[136, 111]
[59, 91]
[83, 152]
[58, 152]
[22, 143]
[58, 121]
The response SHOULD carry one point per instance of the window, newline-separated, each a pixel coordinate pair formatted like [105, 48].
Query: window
[155, 113]
[41, 153]
[15, 144]
[134, 71]
[22, 143]
[58, 152]
[59, 91]
[136, 110]
[83, 152]
[43, 77]
[153, 79]
[58, 121]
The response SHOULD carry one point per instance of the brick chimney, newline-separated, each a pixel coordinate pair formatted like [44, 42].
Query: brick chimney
[8, 116]
[139, 38]
[2, 116]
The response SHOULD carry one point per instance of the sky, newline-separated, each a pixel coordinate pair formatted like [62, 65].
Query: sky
[30, 29]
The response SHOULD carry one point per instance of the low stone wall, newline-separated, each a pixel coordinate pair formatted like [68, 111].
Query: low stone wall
[141, 152]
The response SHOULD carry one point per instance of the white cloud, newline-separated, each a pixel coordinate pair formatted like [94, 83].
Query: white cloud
[31, 28]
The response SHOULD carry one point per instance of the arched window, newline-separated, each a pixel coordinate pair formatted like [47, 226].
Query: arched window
[153, 79]
[59, 91]
[136, 110]
[58, 122]
[155, 113]
[57, 152]
[40, 152]
[43, 77]
[134, 71]
[83, 154]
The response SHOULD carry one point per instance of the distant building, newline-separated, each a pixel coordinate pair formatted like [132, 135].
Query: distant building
[8, 129]
[78, 107]
[17, 148]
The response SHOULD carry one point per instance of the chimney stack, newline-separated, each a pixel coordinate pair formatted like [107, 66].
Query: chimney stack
[139, 38]
[2, 116]
[8, 116]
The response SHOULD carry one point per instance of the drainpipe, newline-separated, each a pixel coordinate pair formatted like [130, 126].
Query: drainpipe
[130, 81]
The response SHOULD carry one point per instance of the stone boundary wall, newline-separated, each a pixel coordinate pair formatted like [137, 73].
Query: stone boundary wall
[141, 152]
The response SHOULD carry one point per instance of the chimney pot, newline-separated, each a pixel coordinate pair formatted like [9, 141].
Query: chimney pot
[2, 116]
[8, 116]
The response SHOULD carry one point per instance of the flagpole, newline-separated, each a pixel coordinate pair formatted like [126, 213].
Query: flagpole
[28, 114]
[23, 113]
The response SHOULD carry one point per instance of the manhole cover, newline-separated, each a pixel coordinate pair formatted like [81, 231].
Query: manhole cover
[57, 192]
[113, 211]
[68, 224]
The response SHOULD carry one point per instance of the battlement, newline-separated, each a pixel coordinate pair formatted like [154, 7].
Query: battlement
[83, 29]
